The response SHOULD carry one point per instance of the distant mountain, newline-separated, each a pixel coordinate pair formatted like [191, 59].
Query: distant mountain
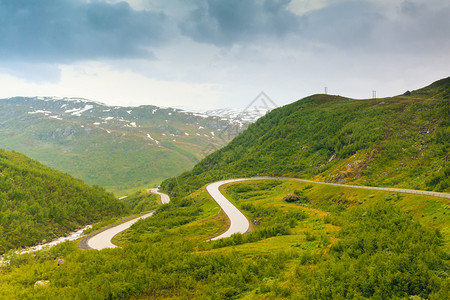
[38, 203]
[120, 148]
[401, 141]
[239, 116]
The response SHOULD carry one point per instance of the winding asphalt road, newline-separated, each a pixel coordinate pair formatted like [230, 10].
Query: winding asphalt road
[238, 221]
[103, 239]
[240, 224]
[164, 198]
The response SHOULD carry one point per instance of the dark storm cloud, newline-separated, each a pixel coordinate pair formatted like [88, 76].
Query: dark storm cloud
[227, 22]
[70, 30]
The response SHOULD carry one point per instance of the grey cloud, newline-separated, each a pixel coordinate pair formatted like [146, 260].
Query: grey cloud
[224, 23]
[423, 27]
[35, 72]
[346, 24]
[409, 7]
[412, 27]
[49, 32]
[349, 25]
[70, 30]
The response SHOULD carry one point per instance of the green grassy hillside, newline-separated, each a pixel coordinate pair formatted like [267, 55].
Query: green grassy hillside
[335, 243]
[403, 141]
[38, 203]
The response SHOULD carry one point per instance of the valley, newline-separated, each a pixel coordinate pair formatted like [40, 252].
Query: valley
[123, 149]
[329, 228]
[325, 198]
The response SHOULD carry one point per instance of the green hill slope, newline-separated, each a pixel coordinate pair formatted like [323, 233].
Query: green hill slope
[401, 141]
[38, 203]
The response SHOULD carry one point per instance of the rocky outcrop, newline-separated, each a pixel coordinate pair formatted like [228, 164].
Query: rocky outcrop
[41, 283]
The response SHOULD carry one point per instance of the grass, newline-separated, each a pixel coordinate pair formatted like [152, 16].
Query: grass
[282, 262]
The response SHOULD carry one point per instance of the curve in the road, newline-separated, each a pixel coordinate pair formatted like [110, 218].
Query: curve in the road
[239, 222]
[103, 239]
[164, 198]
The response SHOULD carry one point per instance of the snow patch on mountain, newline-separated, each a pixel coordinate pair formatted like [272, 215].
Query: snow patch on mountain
[150, 137]
[80, 111]
[39, 112]
[234, 116]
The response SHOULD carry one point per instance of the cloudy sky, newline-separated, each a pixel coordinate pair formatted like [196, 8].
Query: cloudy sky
[220, 53]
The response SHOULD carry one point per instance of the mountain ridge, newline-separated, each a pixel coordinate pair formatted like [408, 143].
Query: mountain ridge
[396, 141]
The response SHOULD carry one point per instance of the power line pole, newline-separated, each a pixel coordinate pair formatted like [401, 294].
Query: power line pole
[374, 94]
